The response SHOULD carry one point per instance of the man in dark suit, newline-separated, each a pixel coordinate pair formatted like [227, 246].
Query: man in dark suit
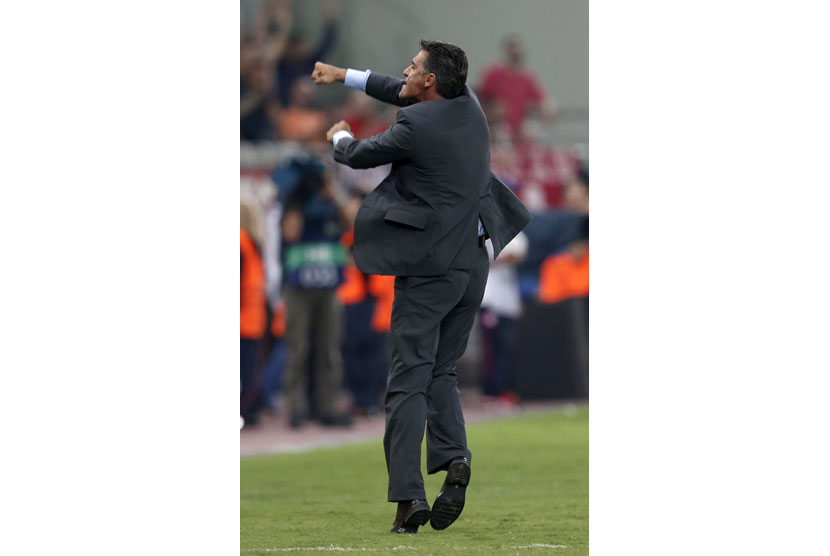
[426, 224]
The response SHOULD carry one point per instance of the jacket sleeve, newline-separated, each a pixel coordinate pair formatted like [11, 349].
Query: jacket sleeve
[385, 89]
[396, 143]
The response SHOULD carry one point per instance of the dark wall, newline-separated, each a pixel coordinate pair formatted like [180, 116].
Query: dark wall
[552, 351]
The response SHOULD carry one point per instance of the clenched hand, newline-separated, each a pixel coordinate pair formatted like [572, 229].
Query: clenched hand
[341, 125]
[324, 74]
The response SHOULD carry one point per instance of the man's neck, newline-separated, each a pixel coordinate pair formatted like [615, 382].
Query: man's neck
[429, 94]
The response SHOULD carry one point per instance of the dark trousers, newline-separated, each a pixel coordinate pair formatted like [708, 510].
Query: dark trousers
[431, 321]
[274, 367]
[249, 397]
[498, 340]
[313, 321]
[364, 361]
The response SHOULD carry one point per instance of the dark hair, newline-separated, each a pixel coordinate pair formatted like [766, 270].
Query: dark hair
[449, 64]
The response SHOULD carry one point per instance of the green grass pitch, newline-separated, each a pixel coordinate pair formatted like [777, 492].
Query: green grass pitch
[529, 487]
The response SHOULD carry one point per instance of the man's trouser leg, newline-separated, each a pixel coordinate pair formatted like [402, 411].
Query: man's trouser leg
[298, 316]
[421, 303]
[446, 436]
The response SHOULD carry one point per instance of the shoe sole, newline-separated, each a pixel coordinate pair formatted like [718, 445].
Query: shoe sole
[412, 522]
[449, 504]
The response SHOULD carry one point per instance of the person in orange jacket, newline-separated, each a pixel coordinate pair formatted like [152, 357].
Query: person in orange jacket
[564, 275]
[365, 349]
[252, 313]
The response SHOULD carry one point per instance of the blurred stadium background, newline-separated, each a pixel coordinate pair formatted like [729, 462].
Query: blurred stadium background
[530, 343]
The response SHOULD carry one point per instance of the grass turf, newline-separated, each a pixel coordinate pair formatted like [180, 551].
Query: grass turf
[529, 486]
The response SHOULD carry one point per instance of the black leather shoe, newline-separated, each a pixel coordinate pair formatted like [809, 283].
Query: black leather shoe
[450, 501]
[411, 515]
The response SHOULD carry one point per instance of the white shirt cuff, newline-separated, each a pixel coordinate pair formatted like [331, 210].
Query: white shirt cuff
[339, 135]
[356, 79]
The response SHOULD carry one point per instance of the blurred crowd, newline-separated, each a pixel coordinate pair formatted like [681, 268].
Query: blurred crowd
[314, 328]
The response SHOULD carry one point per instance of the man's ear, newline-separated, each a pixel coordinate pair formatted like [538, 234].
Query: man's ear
[430, 80]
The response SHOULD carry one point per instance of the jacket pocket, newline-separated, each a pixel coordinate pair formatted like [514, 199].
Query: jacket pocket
[411, 219]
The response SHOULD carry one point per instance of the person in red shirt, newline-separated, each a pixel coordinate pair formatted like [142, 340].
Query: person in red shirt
[359, 112]
[511, 89]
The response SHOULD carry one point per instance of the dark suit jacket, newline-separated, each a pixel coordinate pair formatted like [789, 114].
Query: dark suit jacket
[422, 219]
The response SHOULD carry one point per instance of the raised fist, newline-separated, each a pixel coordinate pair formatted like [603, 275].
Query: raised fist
[342, 125]
[324, 74]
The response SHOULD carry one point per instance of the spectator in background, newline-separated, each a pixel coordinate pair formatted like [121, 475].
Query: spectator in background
[313, 262]
[511, 89]
[576, 192]
[565, 275]
[259, 111]
[272, 28]
[252, 314]
[501, 307]
[382, 288]
[363, 352]
[274, 343]
[303, 121]
[299, 58]
[362, 117]
[503, 163]
[250, 52]
[359, 112]
[543, 170]
[278, 18]
[274, 346]
[259, 51]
